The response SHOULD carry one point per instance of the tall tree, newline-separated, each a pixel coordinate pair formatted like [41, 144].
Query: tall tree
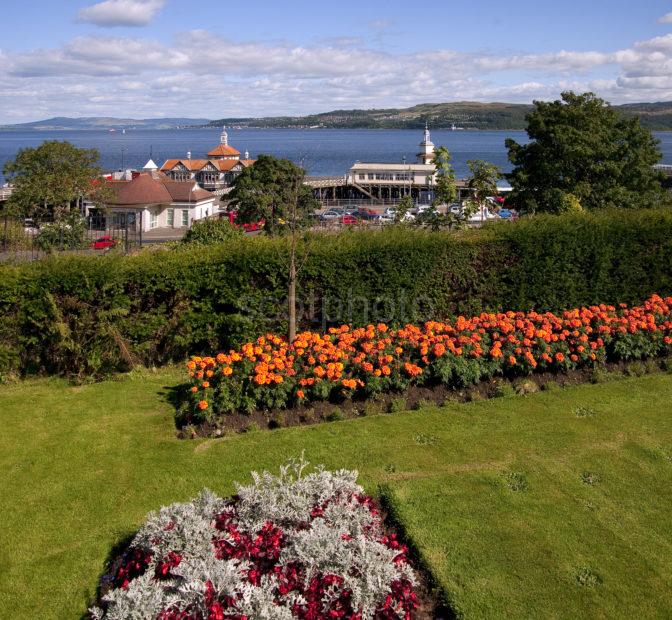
[482, 184]
[581, 146]
[51, 177]
[268, 191]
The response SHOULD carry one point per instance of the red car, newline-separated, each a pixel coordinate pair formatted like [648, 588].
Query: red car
[349, 220]
[247, 226]
[103, 243]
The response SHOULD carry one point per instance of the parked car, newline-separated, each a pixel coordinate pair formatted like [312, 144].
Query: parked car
[482, 215]
[246, 226]
[103, 243]
[507, 214]
[455, 209]
[420, 209]
[331, 215]
[349, 220]
[391, 213]
[365, 214]
[30, 227]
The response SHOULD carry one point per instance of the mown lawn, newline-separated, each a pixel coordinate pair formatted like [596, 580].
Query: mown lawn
[491, 492]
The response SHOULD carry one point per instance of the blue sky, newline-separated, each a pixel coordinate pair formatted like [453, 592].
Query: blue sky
[149, 58]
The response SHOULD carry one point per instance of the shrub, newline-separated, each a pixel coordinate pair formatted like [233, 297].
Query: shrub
[295, 545]
[503, 389]
[397, 405]
[167, 304]
[269, 372]
[211, 231]
[66, 234]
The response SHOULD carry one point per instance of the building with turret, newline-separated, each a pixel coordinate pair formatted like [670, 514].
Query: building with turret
[392, 181]
[214, 173]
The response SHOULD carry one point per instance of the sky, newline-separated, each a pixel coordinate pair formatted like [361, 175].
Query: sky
[157, 58]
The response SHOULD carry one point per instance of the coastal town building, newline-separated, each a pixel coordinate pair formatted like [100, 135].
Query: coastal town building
[149, 200]
[392, 181]
[385, 182]
[214, 173]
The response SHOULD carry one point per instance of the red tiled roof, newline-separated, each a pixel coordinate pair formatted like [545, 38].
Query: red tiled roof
[155, 188]
[223, 149]
[225, 165]
[169, 164]
[186, 191]
[189, 164]
[247, 162]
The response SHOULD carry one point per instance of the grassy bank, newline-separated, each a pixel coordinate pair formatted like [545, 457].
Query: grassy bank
[520, 507]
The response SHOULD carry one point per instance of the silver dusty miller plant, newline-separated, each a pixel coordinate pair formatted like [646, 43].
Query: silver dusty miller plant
[293, 545]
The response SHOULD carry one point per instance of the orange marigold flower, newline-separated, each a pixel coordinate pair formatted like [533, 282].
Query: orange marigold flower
[206, 385]
[559, 357]
[203, 405]
[194, 389]
[300, 394]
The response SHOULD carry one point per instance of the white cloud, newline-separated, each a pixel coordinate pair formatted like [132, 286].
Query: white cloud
[208, 75]
[665, 19]
[111, 13]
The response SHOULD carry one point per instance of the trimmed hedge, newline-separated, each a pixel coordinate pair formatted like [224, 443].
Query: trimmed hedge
[87, 316]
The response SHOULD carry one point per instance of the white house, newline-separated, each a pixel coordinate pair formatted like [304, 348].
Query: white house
[150, 200]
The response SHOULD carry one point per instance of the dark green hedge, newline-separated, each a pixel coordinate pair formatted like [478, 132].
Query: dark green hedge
[85, 316]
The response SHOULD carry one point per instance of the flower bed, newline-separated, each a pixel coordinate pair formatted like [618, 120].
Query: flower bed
[271, 373]
[292, 546]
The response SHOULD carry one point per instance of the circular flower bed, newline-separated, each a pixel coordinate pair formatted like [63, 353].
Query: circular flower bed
[290, 546]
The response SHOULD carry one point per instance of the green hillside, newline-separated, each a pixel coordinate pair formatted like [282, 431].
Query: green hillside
[461, 114]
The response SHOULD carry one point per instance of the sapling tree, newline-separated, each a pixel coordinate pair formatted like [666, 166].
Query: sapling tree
[482, 185]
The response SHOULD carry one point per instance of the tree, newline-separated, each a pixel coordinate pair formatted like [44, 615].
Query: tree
[482, 184]
[402, 210]
[273, 190]
[270, 190]
[50, 177]
[579, 145]
[445, 189]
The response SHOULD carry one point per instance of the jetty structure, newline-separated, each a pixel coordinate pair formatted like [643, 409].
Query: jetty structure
[384, 182]
[214, 173]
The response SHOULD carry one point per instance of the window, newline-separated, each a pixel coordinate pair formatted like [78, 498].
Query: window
[153, 219]
[171, 217]
[185, 217]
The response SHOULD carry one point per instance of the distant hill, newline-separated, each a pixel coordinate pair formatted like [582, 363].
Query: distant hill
[102, 122]
[462, 114]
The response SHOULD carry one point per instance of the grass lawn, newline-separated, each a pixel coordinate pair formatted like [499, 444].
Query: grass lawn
[491, 492]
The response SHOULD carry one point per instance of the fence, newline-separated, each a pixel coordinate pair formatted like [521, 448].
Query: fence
[25, 239]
